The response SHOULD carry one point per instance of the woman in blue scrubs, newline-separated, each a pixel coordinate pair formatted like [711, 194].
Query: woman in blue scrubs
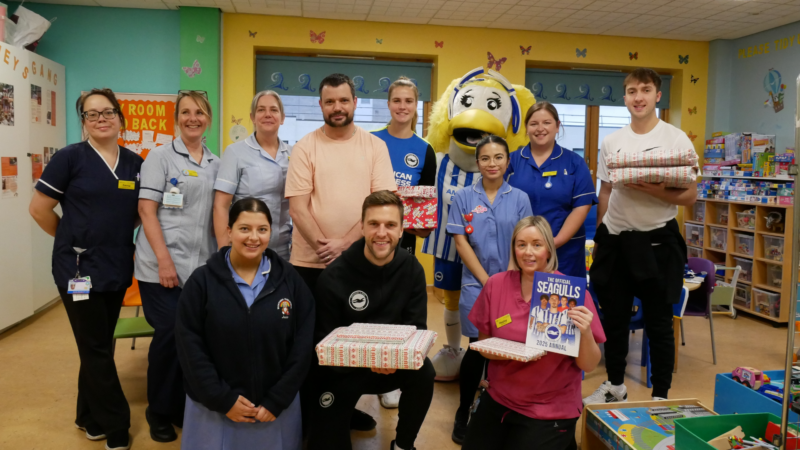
[482, 221]
[558, 183]
[97, 184]
[256, 167]
[175, 241]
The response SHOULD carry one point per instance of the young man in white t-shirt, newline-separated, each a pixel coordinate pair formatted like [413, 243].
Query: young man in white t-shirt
[639, 251]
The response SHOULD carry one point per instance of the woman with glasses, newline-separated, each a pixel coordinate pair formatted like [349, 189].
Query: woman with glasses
[256, 167]
[558, 183]
[97, 184]
[175, 203]
[482, 220]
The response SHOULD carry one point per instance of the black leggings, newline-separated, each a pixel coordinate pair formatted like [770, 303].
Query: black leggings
[472, 368]
[497, 427]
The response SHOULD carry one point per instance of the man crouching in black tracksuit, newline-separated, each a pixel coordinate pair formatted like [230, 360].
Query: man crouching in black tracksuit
[370, 283]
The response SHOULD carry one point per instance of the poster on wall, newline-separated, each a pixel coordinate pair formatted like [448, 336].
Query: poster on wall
[150, 121]
[36, 104]
[9, 171]
[6, 104]
[51, 107]
[37, 167]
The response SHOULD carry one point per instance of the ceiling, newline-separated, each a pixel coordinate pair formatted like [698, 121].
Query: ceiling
[701, 20]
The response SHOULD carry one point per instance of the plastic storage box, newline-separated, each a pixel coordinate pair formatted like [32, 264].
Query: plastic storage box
[746, 274]
[746, 219]
[775, 275]
[699, 213]
[693, 433]
[719, 238]
[768, 303]
[773, 248]
[744, 244]
[722, 216]
[694, 235]
[742, 295]
[695, 252]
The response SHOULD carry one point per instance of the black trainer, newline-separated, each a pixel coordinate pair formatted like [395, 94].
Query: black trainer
[120, 440]
[93, 431]
[161, 429]
[361, 421]
[460, 428]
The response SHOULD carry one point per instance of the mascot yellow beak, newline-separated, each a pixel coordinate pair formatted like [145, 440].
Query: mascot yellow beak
[468, 127]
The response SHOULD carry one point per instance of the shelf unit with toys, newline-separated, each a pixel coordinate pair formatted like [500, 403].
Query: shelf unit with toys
[731, 233]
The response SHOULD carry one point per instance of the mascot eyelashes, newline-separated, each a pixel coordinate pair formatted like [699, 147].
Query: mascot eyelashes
[481, 102]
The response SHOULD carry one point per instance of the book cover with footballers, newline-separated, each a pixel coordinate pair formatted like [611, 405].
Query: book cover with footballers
[549, 326]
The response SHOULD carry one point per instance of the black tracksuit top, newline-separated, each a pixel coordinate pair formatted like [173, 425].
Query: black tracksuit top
[353, 290]
[227, 349]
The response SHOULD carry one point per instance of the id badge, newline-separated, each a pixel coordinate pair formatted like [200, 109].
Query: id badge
[79, 288]
[173, 200]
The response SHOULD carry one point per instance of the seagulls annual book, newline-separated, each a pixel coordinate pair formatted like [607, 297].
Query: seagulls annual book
[549, 326]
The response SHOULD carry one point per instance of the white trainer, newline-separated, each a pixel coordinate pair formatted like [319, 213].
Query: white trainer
[608, 393]
[390, 400]
[447, 363]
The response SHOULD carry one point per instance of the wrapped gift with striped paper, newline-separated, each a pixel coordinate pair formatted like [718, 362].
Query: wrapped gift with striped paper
[670, 176]
[652, 158]
[517, 351]
[346, 352]
[366, 332]
[419, 206]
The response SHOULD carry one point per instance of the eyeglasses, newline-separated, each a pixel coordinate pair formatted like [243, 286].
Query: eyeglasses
[92, 116]
[486, 160]
[189, 91]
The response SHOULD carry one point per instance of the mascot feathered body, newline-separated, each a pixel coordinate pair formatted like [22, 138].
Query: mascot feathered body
[481, 102]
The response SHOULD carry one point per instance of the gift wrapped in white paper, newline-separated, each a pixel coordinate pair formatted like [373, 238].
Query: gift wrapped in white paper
[517, 351]
[670, 176]
[652, 158]
[389, 354]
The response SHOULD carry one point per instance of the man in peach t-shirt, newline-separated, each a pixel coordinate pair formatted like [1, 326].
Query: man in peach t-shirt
[331, 172]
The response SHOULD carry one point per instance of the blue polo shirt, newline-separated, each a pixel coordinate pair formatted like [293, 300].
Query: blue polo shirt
[571, 187]
[99, 214]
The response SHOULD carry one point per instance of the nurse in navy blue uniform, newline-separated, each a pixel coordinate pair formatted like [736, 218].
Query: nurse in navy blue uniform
[97, 184]
[558, 183]
[413, 158]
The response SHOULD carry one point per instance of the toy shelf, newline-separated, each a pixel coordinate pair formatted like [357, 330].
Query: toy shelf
[720, 246]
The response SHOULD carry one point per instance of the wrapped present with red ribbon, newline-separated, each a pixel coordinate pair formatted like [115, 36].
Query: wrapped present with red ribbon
[377, 346]
[517, 351]
[419, 203]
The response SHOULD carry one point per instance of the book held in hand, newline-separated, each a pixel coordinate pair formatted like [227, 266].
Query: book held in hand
[549, 325]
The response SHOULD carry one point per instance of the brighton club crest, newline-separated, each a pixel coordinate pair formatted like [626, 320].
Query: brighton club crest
[286, 307]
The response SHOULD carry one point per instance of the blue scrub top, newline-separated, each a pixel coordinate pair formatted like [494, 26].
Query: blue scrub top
[100, 210]
[493, 225]
[571, 187]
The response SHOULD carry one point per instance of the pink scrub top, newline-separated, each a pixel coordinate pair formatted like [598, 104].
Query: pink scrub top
[547, 389]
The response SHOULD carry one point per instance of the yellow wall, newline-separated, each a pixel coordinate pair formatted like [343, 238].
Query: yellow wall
[463, 49]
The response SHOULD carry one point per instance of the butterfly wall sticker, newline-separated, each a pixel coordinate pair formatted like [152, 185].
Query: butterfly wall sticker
[252, 33]
[692, 137]
[693, 110]
[379, 41]
[236, 121]
[317, 38]
[200, 39]
[525, 51]
[496, 62]
[580, 53]
[634, 55]
[193, 70]
[438, 44]
[693, 79]
[683, 59]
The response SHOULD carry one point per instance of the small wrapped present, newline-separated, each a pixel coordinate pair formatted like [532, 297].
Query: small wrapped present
[652, 158]
[367, 332]
[347, 352]
[517, 351]
[419, 204]
[670, 176]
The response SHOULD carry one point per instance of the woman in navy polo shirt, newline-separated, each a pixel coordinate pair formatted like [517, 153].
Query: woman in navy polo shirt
[558, 183]
[97, 184]
[413, 162]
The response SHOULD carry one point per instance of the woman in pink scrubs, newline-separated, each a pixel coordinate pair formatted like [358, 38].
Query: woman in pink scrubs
[535, 404]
